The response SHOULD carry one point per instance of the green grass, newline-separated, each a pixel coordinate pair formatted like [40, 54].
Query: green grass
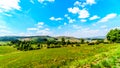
[4, 42]
[92, 56]
[7, 50]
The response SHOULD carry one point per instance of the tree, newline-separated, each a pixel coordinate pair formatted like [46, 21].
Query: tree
[114, 35]
[63, 41]
[82, 41]
[68, 42]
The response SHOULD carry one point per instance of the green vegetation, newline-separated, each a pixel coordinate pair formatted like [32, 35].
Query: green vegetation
[61, 52]
[82, 56]
[7, 49]
[114, 35]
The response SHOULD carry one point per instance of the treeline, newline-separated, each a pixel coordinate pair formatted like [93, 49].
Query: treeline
[32, 45]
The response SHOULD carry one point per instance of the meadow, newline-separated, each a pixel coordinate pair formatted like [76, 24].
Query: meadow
[84, 56]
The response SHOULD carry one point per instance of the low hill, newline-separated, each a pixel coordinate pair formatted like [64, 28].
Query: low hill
[72, 39]
[43, 38]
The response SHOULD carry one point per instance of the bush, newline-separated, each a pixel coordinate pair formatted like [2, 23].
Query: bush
[91, 43]
[114, 35]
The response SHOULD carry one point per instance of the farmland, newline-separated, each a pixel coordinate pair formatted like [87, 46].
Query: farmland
[91, 56]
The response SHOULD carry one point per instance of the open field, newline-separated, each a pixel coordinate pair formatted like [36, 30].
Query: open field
[102, 55]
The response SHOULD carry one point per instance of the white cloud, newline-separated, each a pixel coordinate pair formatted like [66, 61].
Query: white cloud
[40, 24]
[83, 20]
[76, 27]
[77, 3]
[108, 17]
[5, 31]
[51, 0]
[59, 27]
[32, 29]
[41, 1]
[66, 15]
[83, 14]
[32, 1]
[104, 26]
[3, 24]
[65, 23]
[90, 2]
[39, 29]
[45, 31]
[72, 20]
[74, 10]
[86, 32]
[55, 19]
[83, 4]
[94, 17]
[94, 24]
[8, 5]
[69, 19]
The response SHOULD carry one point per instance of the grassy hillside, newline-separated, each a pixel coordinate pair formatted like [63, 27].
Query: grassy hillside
[72, 39]
[101, 55]
[7, 50]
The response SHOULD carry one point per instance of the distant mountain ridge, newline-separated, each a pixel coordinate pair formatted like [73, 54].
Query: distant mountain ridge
[10, 38]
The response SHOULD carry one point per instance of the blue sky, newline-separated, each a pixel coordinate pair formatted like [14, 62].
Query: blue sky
[78, 18]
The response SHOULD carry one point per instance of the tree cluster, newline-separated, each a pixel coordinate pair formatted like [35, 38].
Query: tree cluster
[114, 35]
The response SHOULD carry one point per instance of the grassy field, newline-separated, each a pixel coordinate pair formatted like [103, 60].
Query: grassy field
[97, 56]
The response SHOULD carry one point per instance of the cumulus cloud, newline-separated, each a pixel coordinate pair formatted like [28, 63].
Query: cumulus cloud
[66, 15]
[83, 4]
[38, 29]
[8, 5]
[55, 19]
[94, 17]
[38, 26]
[83, 20]
[72, 20]
[40, 23]
[90, 2]
[108, 17]
[74, 10]
[41, 1]
[83, 13]
[77, 3]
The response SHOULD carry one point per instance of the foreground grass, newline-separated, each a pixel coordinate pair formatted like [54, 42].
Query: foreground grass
[84, 56]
